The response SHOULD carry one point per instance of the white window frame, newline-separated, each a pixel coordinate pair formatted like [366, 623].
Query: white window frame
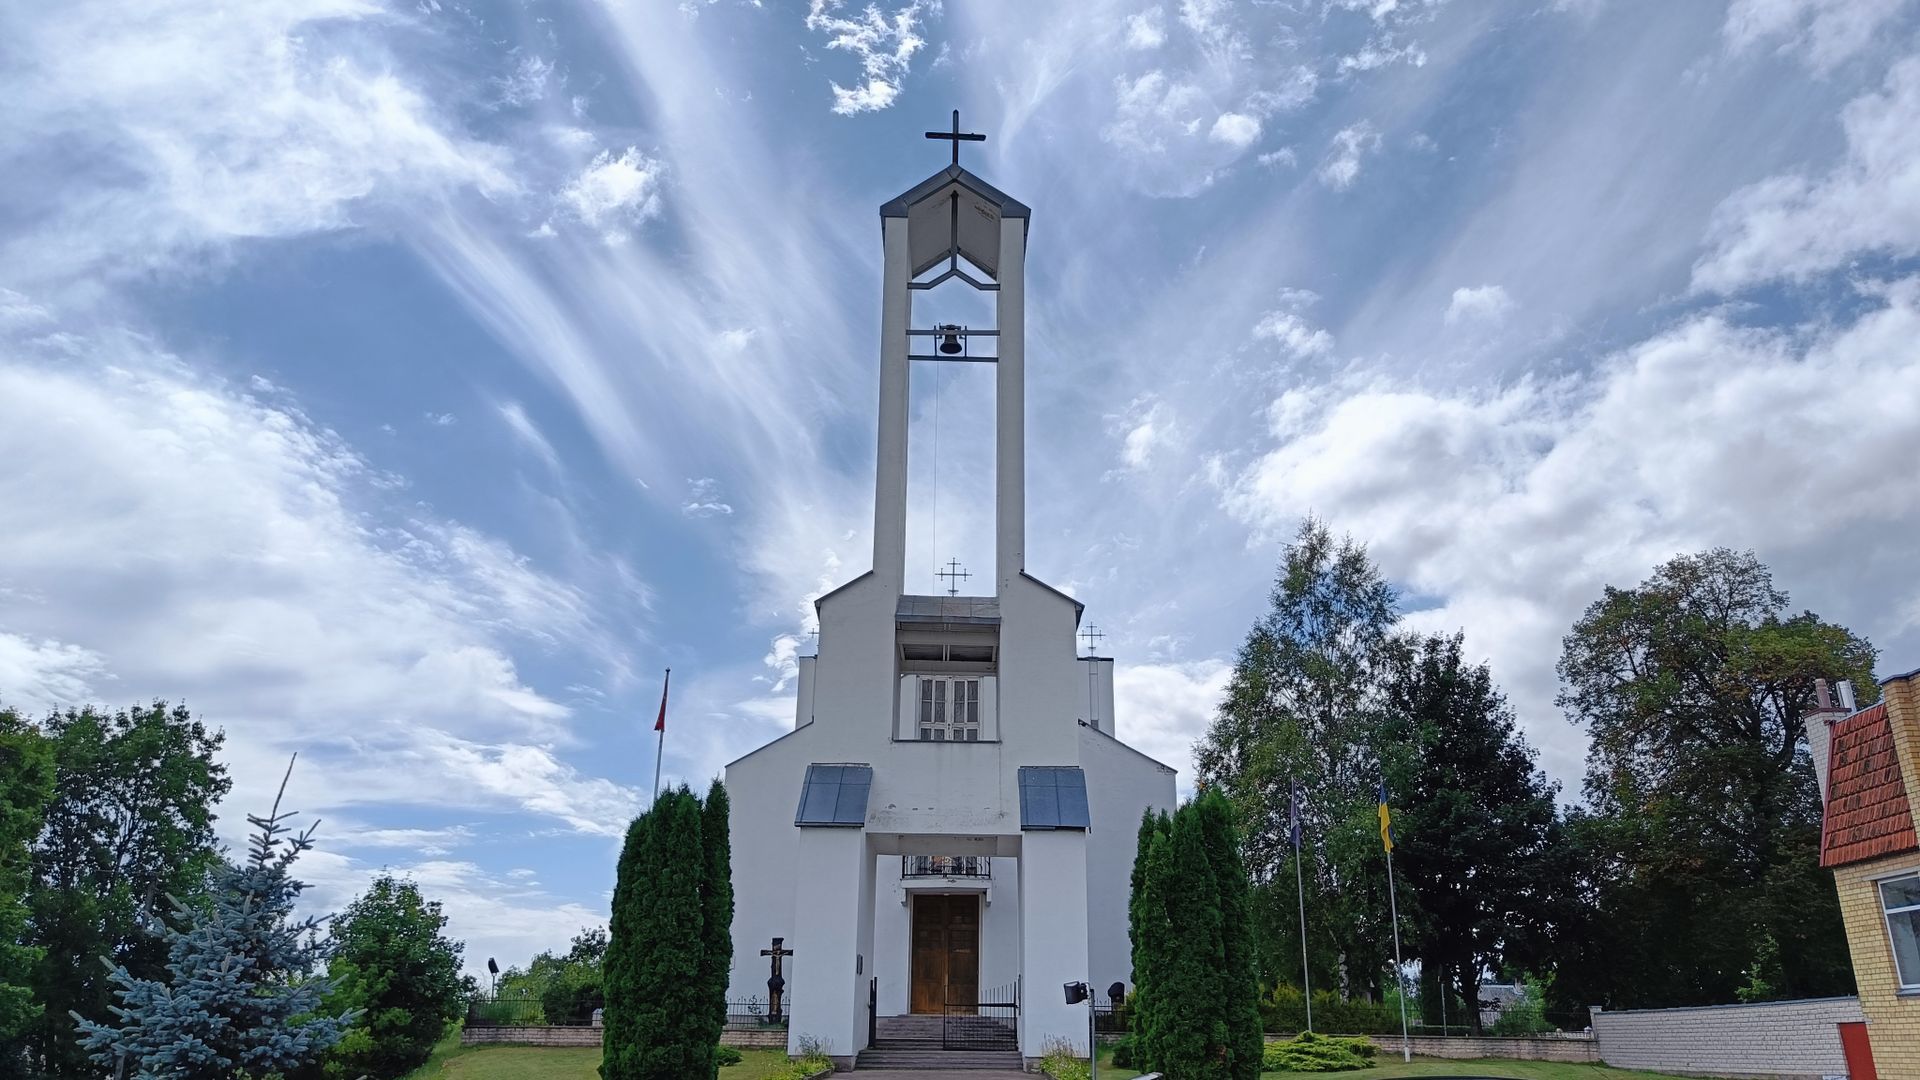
[928, 707]
[1909, 981]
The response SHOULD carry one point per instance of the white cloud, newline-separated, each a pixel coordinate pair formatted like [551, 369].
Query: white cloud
[445, 419]
[1148, 29]
[1283, 156]
[256, 571]
[1341, 166]
[1380, 52]
[1794, 225]
[1237, 130]
[1151, 110]
[1479, 304]
[703, 499]
[1829, 31]
[1518, 504]
[884, 43]
[1296, 337]
[528, 82]
[1145, 428]
[302, 119]
[529, 434]
[1163, 709]
[614, 192]
[37, 677]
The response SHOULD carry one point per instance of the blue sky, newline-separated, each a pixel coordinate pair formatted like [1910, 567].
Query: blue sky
[406, 385]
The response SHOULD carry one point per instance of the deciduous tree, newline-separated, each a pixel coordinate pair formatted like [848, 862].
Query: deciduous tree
[394, 965]
[1705, 813]
[130, 825]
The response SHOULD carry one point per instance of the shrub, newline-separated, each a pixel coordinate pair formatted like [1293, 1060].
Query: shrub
[726, 1055]
[1308, 1052]
[1060, 1061]
[1284, 1008]
[394, 964]
[1123, 1053]
[1525, 1015]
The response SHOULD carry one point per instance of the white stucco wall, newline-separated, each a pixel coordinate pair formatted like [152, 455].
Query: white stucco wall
[1121, 784]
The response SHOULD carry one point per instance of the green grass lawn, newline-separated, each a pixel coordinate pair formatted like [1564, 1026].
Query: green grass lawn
[451, 1061]
[1517, 1070]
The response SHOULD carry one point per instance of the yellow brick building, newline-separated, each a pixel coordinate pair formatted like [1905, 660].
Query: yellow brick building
[1870, 779]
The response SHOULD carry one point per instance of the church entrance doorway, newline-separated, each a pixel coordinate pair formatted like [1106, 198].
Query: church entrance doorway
[946, 952]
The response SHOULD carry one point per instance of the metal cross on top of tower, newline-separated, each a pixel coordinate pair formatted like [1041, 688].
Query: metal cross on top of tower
[1091, 635]
[956, 136]
[954, 574]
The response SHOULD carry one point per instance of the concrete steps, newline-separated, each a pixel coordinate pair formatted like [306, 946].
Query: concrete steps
[914, 1043]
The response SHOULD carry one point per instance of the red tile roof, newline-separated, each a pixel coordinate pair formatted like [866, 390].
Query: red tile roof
[1867, 811]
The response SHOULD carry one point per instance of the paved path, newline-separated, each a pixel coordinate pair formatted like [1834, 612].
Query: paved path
[941, 1074]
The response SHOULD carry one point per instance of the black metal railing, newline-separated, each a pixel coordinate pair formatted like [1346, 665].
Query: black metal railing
[969, 866]
[753, 1014]
[991, 1023]
[1110, 1019]
[517, 1010]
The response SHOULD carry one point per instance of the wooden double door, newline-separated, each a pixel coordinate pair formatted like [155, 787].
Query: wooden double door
[946, 952]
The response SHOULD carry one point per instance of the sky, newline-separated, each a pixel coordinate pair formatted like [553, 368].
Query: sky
[406, 385]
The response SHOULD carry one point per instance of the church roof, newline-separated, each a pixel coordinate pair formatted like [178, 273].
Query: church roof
[954, 210]
[949, 610]
[1867, 812]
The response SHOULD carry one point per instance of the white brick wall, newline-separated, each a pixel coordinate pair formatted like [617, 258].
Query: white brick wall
[1771, 1039]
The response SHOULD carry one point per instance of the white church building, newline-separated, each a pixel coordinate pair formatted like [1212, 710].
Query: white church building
[947, 833]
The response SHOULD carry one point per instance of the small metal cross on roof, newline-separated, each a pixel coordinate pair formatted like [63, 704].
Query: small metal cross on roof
[1091, 635]
[956, 136]
[813, 638]
[954, 575]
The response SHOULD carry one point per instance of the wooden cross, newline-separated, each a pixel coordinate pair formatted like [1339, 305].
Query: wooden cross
[954, 575]
[1091, 635]
[776, 983]
[956, 136]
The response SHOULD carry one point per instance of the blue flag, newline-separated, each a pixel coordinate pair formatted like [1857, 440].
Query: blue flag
[1293, 815]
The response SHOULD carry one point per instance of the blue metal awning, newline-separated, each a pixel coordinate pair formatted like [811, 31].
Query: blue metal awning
[835, 796]
[1053, 797]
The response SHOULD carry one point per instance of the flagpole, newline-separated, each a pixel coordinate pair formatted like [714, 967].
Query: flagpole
[1300, 890]
[660, 727]
[1399, 982]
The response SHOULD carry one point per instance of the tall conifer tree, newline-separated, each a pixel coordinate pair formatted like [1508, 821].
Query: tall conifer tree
[656, 1021]
[716, 909]
[1147, 929]
[1239, 988]
[1191, 1022]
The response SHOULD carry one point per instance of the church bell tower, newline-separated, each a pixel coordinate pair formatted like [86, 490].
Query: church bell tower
[953, 225]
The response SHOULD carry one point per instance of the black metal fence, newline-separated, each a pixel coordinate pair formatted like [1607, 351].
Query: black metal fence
[526, 1010]
[991, 1023]
[754, 1014]
[967, 866]
[516, 1010]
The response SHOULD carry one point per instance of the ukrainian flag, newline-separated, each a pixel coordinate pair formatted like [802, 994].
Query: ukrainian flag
[1386, 820]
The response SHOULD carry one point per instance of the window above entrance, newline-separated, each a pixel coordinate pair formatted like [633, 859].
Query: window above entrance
[947, 708]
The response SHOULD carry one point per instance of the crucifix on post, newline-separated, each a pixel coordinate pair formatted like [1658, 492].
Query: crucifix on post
[776, 983]
[1091, 637]
[955, 574]
[956, 136]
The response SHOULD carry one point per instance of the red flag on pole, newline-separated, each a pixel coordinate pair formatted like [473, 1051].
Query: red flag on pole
[661, 723]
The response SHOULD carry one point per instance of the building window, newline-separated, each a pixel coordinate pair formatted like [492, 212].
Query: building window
[949, 710]
[1900, 899]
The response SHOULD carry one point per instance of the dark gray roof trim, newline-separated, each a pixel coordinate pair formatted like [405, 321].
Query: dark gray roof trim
[844, 586]
[1006, 204]
[835, 796]
[1079, 608]
[1053, 797]
[949, 610]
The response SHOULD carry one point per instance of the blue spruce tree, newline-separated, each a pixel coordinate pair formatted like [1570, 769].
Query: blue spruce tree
[240, 1000]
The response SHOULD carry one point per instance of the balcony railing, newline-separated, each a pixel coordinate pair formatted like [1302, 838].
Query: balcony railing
[967, 866]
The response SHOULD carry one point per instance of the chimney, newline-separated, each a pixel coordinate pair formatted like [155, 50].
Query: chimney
[1819, 724]
[1845, 688]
